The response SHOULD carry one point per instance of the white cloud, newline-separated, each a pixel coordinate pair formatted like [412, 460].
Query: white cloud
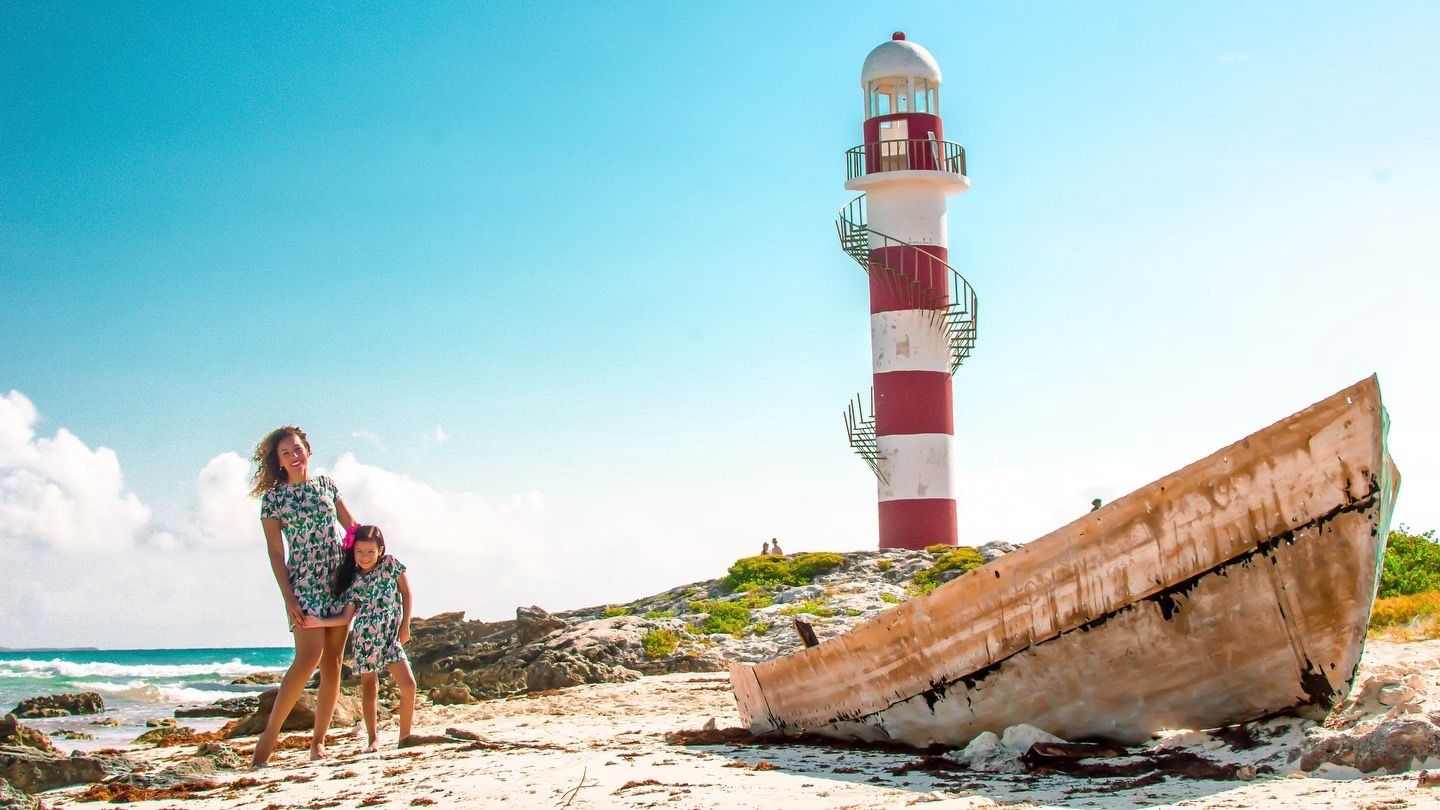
[225, 514]
[1232, 57]
[440, 435]
[58, 492]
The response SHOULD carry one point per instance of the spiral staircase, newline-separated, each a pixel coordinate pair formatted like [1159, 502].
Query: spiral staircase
[954, 314]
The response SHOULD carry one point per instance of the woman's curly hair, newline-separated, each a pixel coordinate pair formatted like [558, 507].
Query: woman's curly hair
[267, 459]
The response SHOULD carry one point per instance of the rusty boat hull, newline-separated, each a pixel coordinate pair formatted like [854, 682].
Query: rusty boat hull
[1237, 587]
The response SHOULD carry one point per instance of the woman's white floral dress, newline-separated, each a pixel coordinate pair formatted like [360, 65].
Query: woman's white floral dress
[306, 512]
[375, 630]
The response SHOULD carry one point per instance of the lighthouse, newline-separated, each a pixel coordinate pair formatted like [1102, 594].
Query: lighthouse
[922, 311]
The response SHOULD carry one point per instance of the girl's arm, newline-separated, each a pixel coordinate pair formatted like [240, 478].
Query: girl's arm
[343, 512]
[334, 621]
[404, 585]
[275, 547]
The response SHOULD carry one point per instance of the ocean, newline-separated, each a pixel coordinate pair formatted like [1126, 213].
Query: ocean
[137, 685]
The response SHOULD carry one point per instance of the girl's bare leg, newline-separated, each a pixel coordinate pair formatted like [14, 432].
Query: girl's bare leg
[309, 645]
[405, 682]
[369, 696]
[331, 653]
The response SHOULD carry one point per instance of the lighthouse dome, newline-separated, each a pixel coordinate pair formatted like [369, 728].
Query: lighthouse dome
[896, 58]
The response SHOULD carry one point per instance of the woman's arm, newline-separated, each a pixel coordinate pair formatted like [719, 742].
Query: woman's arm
[343, 512]
[334, 621]
[404, 585]
[275, 547]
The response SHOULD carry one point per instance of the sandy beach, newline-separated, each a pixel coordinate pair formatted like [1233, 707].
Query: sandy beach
[611, 745]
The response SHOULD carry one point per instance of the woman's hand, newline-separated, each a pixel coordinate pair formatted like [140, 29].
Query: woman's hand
[404, 632]
[297, 616]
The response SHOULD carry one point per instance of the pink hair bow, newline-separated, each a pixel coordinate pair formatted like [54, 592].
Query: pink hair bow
[349, 540]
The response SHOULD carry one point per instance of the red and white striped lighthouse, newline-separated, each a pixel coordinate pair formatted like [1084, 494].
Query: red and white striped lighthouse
[922, 312]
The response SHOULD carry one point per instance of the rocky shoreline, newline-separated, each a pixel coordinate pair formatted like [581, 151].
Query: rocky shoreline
[650, 659]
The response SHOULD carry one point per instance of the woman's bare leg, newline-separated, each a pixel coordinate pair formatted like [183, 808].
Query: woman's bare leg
[405, 682]
[309, 645]
[333, 651]
[369, 696]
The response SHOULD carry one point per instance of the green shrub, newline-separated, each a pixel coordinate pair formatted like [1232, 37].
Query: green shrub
[659, 642]
[760, 628]
[668, 613]
[1411, 564]
[938, 548]
[756, 600]
[885, 565]
[722, 617]
[962, 558]
[615, 610]
[816, 563]
[814, 607]
[756, 573]
[890, 598]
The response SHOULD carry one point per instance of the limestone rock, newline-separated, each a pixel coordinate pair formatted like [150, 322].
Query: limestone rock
[1020, 737]
[12, 799]
[60, 705]
[558, 669]
[451, 694]
[348, 712]
[533, 624]
[161, 734]
[1394, 745]
[259, 679]
[228, 707]
[988, 754]
[32, 770]
[15, 733]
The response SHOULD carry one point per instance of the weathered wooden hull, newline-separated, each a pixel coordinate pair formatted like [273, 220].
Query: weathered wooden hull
[1237, 587]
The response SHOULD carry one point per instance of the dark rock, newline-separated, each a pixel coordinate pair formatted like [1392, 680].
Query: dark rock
[533, 624]
[160, 722]
[60, 705]
[559, 669]
[156, 736]
[1394, 746]
[73, 734]
[259, 679]
[32, 770]
[451, 694]
[348, 712]
[12, 799]
[15, 733]
[229, 707]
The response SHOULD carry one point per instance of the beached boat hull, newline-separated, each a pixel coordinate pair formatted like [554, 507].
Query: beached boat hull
[1237, 587]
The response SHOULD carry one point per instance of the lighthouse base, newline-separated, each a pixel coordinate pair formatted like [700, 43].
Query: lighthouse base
[917, 523]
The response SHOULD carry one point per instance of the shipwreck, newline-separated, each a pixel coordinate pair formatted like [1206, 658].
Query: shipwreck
[1235, 588]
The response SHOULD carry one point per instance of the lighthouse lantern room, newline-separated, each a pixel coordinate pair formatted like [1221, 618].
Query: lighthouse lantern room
[922, 311]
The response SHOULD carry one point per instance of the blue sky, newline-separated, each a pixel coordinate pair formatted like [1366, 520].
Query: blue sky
[593, 246]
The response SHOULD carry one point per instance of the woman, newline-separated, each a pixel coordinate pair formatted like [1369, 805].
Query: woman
[303, 511]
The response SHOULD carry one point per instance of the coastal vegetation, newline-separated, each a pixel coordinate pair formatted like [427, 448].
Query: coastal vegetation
[768, 571]
[1407, 604]
[947, 558]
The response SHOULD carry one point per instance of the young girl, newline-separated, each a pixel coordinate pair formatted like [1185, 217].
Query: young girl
[306, 513]
[373, 587]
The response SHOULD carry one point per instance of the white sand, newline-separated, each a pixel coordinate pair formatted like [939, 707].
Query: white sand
[602, 738]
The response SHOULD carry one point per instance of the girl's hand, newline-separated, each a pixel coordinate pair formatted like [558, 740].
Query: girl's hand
[404, 632]
[309, 622]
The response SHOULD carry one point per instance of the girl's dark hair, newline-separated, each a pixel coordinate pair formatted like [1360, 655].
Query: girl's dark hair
[267, 459]
[345, 575]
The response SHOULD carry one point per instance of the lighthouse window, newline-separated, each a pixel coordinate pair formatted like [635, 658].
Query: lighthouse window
[924, 95]
[881, 97]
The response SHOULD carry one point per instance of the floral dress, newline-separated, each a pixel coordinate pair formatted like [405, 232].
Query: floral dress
[306, 512]
[379, 610]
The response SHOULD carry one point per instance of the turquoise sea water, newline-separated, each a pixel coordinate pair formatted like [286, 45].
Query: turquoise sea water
[137, 685]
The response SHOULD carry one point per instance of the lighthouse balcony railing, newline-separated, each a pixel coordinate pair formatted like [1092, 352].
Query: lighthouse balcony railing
[924, 154]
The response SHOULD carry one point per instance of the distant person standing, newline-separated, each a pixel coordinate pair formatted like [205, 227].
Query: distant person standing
[765, 549]
[1095, 504]
[775, 547]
